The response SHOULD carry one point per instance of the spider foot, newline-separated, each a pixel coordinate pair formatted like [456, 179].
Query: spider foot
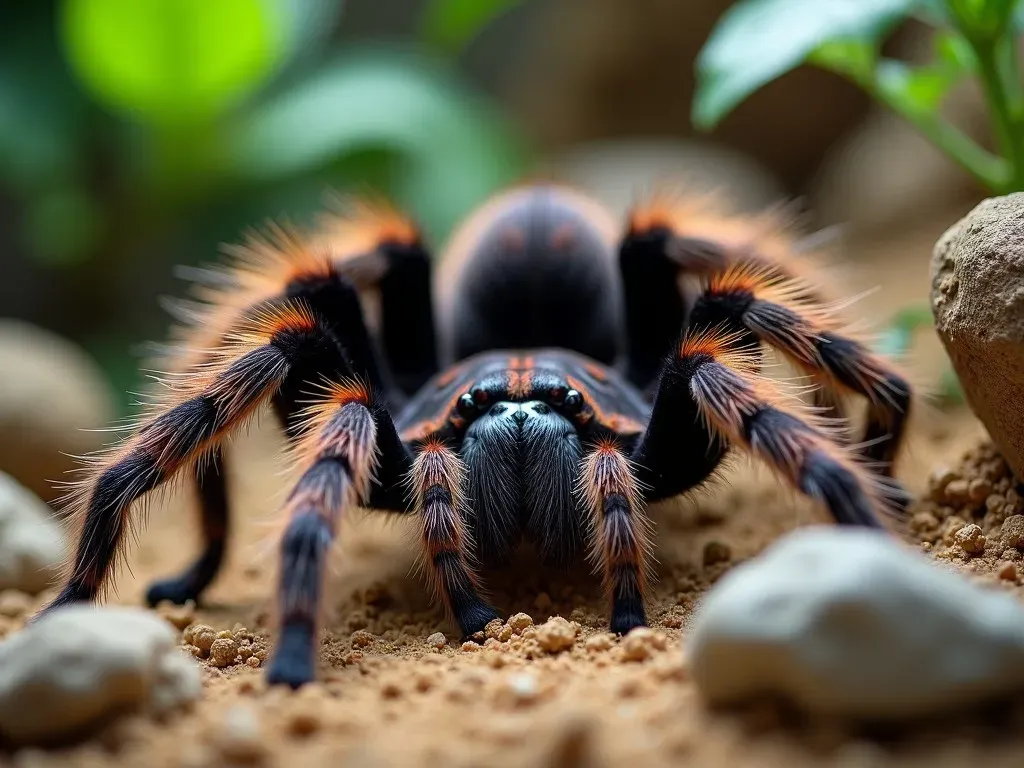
[627, 615]
[474, 617]
[293, 662]
[176, 589]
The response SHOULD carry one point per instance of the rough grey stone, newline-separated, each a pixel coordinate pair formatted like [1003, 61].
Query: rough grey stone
[849, 622]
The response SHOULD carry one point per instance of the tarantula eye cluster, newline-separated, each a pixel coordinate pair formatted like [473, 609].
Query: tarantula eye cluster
[567, 400]
[610, 375]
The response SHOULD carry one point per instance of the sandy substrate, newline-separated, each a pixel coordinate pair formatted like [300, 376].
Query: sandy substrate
[565, 693]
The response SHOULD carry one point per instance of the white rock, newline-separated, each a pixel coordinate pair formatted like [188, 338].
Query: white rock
[31, 541]
[81, 663]
[851, 623]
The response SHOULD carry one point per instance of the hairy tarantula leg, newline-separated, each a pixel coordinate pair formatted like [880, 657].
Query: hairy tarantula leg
[377, 247]
[829, 406]
[747, 298]
[335, 302]
[669, 236]
[217, 399]
[715, 379]
[407, 316]
[213, 505]
[620, 533]
[339, 453]
[439, 481]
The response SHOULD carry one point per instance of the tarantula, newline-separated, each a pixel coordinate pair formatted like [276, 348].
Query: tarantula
[579, 389]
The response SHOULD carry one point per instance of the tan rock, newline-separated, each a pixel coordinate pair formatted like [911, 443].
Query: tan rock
[977, 271]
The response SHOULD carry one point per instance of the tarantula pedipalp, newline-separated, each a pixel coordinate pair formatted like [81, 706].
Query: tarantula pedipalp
[578, 390]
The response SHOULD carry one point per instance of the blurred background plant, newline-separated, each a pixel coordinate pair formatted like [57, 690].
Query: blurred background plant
[756, 41]
[136, 135]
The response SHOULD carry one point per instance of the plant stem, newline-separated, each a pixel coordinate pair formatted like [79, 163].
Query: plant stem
[991, 170]
[1004, 124]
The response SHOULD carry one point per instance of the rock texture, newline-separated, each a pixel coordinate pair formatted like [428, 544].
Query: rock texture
[851, 623]
[977, 274]
[31, 542]
[82, 663]
[51, 396]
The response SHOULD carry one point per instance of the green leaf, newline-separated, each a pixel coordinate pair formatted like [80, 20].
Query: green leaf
[919, 90]
[452, 149]
[955, 53]
[756, 41]
[170, 60]
[982, 19]
[854, 58]
[448, 25]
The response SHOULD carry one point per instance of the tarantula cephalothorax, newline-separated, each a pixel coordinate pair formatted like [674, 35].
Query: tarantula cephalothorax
[580, 388]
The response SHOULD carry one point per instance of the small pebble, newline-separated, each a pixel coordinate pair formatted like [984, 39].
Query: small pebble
[202, 637]
[521, 621]
[14, 603]
[924, 521]
[522, 687]
[957, 490]
[940, 478]
[493, 628]
[437, 640]
[716, 552]
[950, 529]
[995, 502]
[641, 643]
[470, 647]
[1007, 571]
[361, 638]
[179, 616]
[223, 651]
[556, 635]
[971, 539]
[979, 489]
[304, 721]
[253, 662]
[601, 642]
[1013, 531]
[240, 738]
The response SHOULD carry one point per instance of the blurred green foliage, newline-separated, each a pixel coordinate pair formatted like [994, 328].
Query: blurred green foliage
[448, 25]
[137, 134]
[171, 61]
[759, 40]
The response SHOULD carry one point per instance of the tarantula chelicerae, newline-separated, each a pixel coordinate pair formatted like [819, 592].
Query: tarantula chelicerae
[579, 388]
